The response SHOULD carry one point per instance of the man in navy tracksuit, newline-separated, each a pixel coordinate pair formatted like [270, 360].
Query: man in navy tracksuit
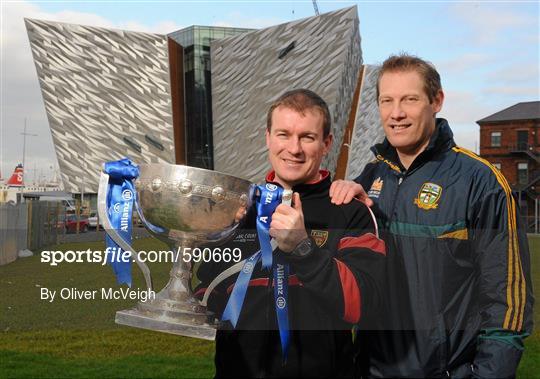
[459, 300]
[335, 257]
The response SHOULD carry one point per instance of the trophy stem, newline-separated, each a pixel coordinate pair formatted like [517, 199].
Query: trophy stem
[174, 309]
[186, 207]
[178, 287]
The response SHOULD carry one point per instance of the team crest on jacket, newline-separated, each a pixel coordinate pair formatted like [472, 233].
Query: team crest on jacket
[376, 188]
[319, 236]
[429, 195]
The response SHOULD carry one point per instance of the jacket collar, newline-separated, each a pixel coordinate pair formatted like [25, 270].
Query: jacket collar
[442, 140]
[304, 189]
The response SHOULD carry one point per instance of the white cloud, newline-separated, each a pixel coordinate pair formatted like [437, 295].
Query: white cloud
[463, 107]
[530, 92]
[517, 73]
[533, 40]
[490, 23]
[465, 62]
[467, 136]
[21, 94]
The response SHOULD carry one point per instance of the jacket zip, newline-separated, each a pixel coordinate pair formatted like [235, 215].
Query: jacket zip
[400, 180]
[443, 354]
[401, 176]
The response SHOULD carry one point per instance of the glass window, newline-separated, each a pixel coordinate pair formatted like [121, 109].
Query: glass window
[522, 139]
[154, 141]
[188, 59]
[218, 33]
[523, 173]
[132, 142]
[495, 139]
[204, 37]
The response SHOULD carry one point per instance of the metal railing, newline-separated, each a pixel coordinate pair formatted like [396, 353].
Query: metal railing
[13, 231]
[31, 225]
[525, 148]
[532, 178]
[44, 223]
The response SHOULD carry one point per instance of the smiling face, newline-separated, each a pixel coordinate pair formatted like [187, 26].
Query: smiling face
[407, 115]
[296, 145]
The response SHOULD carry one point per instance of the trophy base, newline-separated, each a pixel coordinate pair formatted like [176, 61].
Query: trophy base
[135, 318]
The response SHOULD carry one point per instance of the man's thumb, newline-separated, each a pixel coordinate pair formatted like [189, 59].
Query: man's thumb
[297, 203]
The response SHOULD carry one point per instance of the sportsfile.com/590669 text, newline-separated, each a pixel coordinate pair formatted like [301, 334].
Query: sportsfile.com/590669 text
[188, 254]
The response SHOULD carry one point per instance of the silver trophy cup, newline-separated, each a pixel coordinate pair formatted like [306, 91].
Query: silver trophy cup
[185, 207]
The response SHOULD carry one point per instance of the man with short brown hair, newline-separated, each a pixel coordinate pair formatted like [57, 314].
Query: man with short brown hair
[334, 257]
[459, 297]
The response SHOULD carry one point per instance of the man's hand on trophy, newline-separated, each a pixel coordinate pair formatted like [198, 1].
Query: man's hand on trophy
[343, 191]
[287, 225]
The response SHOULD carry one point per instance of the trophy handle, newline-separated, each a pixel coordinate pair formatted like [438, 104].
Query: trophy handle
[104, 217]
[218, 279]
[286, 198]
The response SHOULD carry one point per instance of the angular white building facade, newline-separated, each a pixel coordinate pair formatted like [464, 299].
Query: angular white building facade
[107, 96]
[368, 129]
[112, 93]
[251, 70]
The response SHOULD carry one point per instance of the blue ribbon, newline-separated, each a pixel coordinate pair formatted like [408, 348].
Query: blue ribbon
[238, 294]
[281, 285]
[267, 201]
[120, 199]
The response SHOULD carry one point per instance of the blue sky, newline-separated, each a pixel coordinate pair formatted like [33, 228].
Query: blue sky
[487, 52]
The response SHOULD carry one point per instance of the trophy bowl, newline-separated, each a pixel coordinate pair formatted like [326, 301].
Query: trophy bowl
[189, 204]
[185, 207]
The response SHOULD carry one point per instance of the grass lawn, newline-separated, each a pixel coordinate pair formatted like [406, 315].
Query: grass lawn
[78, 338]
[530, 363]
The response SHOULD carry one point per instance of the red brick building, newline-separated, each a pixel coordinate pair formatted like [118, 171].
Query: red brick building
[509, 140]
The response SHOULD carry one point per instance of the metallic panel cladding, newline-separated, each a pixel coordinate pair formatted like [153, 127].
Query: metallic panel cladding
[368, 129]
[247, 76]
[101, 85]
